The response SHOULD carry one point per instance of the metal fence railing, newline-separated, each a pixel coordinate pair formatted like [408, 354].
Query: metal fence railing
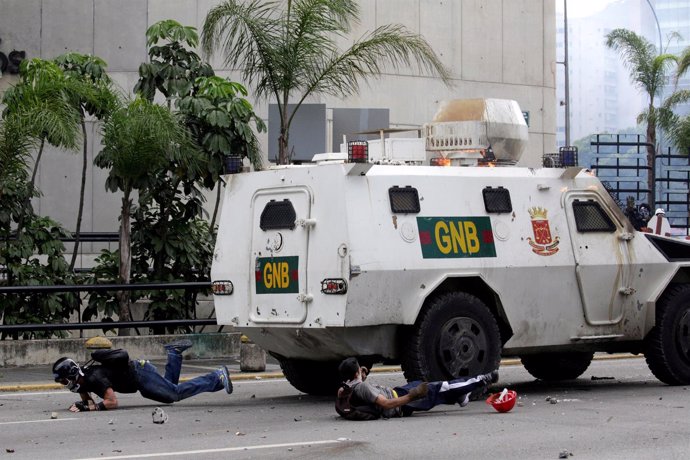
[191, 322]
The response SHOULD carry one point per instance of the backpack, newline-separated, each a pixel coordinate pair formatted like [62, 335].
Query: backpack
[111, 358]
[349, 407]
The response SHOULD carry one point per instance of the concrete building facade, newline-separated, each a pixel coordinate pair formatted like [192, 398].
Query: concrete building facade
[494, 48]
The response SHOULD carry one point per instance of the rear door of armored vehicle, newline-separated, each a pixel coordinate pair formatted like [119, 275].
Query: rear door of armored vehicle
[279, 252]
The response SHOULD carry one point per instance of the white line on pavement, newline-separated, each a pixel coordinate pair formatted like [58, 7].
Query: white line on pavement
[37, 421]
[37, 393]
[210, 451]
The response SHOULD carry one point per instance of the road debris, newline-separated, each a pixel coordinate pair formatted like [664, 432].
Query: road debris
[53, 415]
[564, 454]
[159, 416]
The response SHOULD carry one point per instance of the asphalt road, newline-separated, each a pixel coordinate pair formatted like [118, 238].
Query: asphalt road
[616, 410]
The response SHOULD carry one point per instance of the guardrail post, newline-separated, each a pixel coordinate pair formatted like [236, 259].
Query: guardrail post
[252, 356]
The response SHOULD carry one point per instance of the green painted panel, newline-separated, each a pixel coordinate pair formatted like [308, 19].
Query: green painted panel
[456, 237]
[277, 275]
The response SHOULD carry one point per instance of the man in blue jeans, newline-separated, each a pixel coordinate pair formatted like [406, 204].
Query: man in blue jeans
[402, 401]
[130, 376]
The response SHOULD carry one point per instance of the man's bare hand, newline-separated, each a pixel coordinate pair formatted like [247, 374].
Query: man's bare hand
[419, 391]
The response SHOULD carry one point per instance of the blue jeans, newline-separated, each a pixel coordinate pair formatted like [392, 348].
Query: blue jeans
[449, 392]
[166, 389]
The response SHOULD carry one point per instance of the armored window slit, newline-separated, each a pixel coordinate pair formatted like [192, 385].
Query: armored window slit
[497, 200]
[404, 200]
[278, 215]
[591, 217]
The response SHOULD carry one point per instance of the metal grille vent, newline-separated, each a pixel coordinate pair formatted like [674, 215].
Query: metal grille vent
[404, 200]
[590, 217]
[278, 215]
[497, 200]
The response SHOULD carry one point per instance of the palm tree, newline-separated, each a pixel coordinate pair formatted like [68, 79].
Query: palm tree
[139, 139]
[676, 126]
[43, 91]
[98, 102]
[41, 101]
[648, 72]
[288, 50]
[15, 153]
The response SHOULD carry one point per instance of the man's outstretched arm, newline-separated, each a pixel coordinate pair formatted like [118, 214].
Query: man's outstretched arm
[88, 404]
[416, 393]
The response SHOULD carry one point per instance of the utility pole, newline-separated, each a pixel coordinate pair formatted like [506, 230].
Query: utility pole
[566, 68]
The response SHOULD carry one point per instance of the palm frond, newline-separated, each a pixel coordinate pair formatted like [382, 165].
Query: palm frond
[679, 134]
[387, 47]
[15, 148]
[678, 97]
[247, 35]
[683, 64]
[142, 137]
[324, 15]
[637, 54]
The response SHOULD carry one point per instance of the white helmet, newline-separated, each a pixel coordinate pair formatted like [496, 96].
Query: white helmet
[659, 211]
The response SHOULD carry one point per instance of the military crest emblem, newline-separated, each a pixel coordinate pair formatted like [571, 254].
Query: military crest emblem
[543, 243]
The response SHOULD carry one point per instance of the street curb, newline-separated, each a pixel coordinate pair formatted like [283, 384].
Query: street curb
[236, 377]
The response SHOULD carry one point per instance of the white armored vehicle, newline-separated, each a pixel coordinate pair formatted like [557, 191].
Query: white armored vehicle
[439, 254]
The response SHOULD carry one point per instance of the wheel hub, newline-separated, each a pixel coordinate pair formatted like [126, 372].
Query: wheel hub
[462, 347]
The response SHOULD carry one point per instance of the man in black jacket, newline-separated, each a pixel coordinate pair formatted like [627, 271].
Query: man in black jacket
[129, 376]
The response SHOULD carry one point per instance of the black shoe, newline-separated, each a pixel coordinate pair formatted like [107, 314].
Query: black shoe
[491, 377]
[178, 346]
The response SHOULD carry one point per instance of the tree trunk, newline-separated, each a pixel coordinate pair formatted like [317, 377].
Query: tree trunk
[27, 203]
[651, 162]
[215, 208]
[283, 154]
[77, 230]
[38, 160]
[125, 261]
[283, 157]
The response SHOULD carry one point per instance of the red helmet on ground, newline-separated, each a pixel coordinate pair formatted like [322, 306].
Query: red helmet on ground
[504, 401]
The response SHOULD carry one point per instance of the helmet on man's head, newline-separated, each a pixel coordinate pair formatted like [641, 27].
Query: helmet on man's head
[659, 211]
[67, 372]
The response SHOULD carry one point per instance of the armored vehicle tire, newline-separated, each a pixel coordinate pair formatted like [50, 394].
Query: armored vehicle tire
[557, 366]
[312, 377]
[667, 347]
[457, 336]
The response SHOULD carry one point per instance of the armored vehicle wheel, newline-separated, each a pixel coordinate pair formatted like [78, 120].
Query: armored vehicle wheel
[312, 377]
[457, 336]
[557, 366]
[667, 347]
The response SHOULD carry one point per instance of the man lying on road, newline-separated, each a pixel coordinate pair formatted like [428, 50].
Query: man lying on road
[404, 400]
[121, 375]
